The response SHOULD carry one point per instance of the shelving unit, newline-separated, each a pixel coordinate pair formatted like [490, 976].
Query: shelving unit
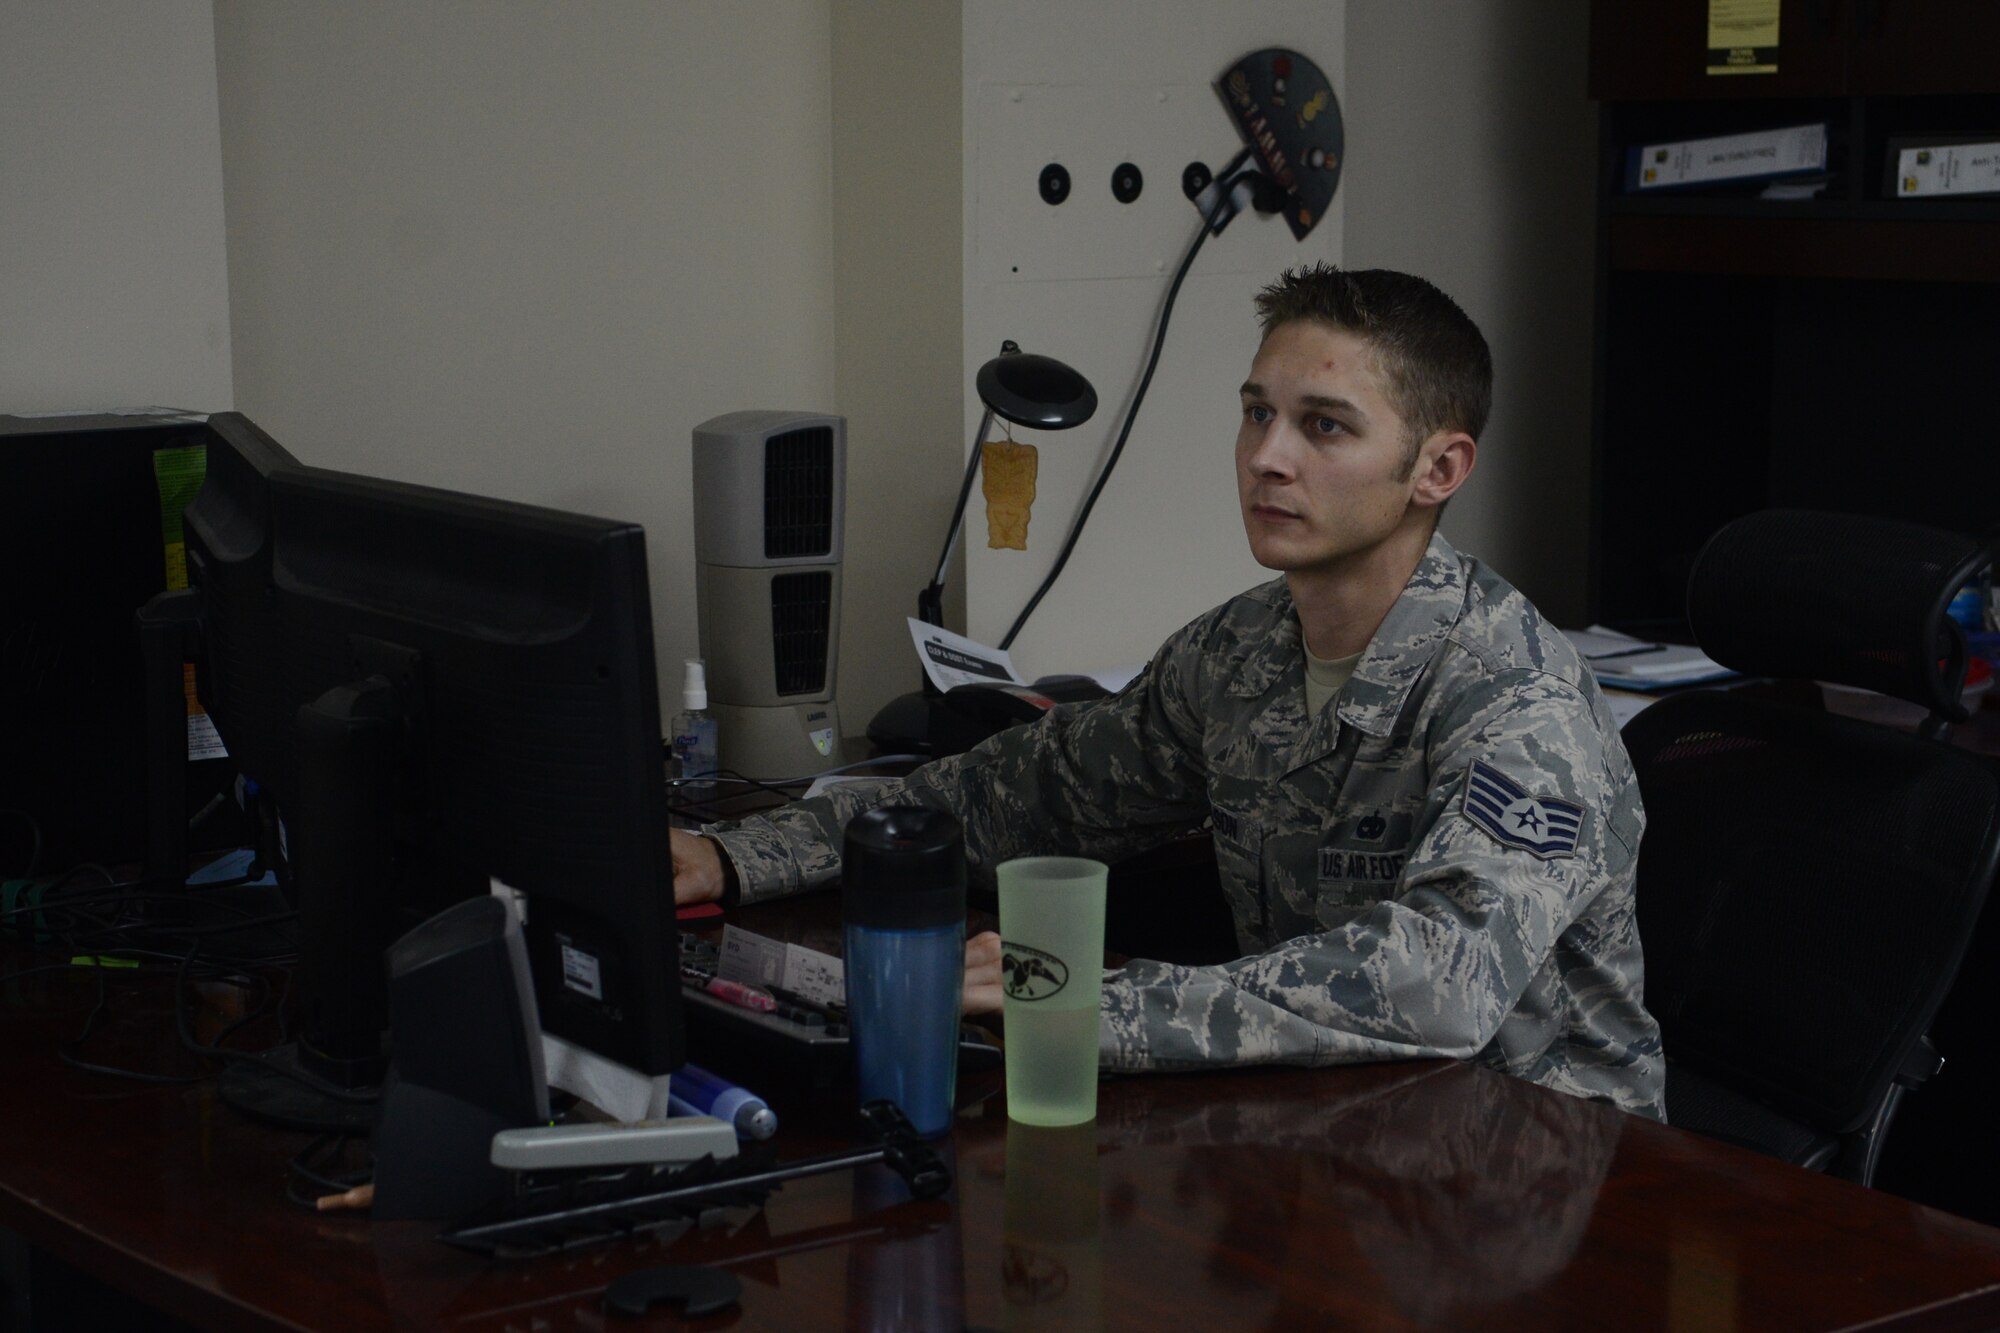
[1833, 352]
[1838, 352]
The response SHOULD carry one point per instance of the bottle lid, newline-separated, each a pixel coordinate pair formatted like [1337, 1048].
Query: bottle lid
[694, 687]
[903, 867]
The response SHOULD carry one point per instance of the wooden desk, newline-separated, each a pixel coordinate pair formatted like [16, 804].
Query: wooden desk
[1429, 1195]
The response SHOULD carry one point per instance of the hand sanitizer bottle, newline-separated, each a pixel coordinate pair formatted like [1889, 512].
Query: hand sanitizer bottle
[694, 733]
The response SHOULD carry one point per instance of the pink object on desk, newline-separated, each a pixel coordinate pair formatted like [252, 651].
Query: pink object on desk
[742, 996]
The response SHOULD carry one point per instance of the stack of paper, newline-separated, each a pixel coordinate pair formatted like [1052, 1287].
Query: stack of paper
[1627, 663]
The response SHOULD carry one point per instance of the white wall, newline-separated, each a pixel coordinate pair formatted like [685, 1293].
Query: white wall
[113, 286]
[1093, 85]
[523, 249]
[1470, 160]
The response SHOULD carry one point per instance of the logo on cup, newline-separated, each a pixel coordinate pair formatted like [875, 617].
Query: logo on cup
[1031, 974]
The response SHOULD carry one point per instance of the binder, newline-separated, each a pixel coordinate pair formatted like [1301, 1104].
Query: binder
[1797, 150]
[1942, 166]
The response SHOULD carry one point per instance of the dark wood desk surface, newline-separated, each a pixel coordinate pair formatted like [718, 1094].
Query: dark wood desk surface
[1429, 1195]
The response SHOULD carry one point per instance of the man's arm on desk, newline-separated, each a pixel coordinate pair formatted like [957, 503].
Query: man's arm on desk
[1104, 779]
[701, 874]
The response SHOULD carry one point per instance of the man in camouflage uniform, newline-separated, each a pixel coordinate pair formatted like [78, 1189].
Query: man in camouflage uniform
[1426, 826]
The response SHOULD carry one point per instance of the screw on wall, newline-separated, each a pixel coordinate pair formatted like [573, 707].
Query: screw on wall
[1126, 182]
[1054, 183]
[1195, 177]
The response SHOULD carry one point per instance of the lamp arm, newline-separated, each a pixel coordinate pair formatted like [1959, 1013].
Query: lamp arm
[929, 604]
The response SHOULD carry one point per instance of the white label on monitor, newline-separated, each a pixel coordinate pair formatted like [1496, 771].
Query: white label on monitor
[581, 972]
[203, 742]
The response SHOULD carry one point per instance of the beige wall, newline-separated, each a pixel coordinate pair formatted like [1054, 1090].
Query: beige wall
[1471, 149]
[524, 249]
[897, 146]
[113, 284]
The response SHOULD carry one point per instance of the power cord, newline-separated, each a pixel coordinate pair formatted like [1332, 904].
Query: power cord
[695, 806]
[1225, 207]
[309, 1167]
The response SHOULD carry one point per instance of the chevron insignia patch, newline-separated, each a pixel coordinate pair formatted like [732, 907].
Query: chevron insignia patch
[1544, 825]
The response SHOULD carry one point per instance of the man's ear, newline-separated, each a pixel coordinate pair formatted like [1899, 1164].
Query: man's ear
[1444, 461]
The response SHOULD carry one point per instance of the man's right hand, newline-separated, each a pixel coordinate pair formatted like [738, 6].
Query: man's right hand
[697, 868]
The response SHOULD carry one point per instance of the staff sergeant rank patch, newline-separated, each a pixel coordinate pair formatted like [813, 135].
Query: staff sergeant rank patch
[1540, 824]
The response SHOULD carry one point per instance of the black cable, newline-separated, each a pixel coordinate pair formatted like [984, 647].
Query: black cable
[227, 971]
[260, 1058]
[1208, 223]
[92, 925]
[64, 1048]
[695, 806]
[308, 1165]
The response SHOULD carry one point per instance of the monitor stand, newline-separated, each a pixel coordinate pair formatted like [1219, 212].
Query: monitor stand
[352, 745]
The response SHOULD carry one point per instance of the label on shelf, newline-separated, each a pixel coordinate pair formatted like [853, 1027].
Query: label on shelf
[1796, 150]
[1965, 168]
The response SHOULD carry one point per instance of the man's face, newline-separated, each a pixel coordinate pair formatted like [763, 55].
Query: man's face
[1321, 454]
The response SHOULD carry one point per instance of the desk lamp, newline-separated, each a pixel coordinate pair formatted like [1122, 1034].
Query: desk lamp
[1027, 389]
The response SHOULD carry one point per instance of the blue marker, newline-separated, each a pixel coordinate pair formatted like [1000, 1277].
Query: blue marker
[695, 1091]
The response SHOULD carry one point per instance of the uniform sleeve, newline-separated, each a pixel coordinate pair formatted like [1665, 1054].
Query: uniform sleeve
[1520, 829]
[1103, 779]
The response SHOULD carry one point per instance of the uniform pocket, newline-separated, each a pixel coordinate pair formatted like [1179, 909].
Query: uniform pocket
[1239, 862]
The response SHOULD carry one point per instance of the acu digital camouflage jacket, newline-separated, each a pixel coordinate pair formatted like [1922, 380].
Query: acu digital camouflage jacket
[1440, 864]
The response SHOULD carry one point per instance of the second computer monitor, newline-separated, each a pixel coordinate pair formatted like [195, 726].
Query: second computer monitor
[449, 691]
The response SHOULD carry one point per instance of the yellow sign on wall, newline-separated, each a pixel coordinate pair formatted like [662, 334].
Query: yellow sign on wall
[1743, 36]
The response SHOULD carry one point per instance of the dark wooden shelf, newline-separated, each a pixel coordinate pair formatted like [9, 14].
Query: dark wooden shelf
[1820, 210]
[1803, 242]
[1826, 353]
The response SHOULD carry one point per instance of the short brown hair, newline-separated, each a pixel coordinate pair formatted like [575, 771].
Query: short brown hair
[1438, 367]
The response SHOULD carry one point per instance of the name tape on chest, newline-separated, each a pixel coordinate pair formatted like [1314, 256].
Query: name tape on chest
[1543, 825]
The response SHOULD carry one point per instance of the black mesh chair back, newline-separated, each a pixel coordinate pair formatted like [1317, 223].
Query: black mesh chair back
[1799, 594]
[1809, 882]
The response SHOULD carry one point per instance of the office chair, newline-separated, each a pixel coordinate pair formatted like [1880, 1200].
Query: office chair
[1809, 882]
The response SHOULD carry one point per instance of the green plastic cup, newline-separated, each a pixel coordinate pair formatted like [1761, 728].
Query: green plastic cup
[1052, 978]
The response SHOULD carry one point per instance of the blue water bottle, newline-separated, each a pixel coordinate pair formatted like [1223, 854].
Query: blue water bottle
[903, 901]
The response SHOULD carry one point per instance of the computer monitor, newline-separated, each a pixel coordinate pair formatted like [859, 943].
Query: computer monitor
[439, 691]
[92, 507]
[235, 648]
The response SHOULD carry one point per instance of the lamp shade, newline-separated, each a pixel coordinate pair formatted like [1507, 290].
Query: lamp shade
[1033, 390]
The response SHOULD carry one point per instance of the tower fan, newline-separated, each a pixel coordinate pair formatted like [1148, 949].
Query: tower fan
[769, 493]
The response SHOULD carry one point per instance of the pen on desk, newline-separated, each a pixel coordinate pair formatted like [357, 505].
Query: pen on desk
[695, 1091]
[761, 1001]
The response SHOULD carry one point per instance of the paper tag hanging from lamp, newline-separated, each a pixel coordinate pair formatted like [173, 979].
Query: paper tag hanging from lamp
[1007, 473]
